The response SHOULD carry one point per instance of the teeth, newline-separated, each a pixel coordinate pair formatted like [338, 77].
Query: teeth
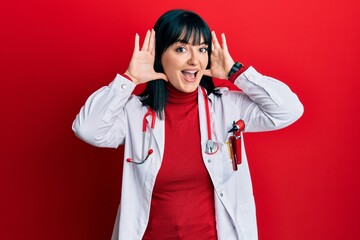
[192, 72]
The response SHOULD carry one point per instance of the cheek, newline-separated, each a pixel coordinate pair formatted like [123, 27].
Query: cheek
[205, 60]
[170, 63]
[167, 67]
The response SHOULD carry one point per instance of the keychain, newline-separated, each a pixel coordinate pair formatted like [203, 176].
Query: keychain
[235, 142]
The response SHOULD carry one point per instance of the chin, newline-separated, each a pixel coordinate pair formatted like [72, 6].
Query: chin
[189, 89]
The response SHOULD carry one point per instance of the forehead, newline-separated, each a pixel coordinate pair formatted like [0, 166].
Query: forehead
[193, 36]
[191, 41]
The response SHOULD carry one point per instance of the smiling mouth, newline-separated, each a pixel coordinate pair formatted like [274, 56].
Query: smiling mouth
[189, 75]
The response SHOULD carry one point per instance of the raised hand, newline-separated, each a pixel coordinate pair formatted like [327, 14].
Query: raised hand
[141, 66]
[221, 61]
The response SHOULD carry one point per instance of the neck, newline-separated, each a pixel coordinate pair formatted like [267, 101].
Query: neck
[178, 97]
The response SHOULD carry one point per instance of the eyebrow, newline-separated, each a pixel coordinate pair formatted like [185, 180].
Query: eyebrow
[187, 42]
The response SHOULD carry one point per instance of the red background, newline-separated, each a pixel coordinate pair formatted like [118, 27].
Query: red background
[54, 54]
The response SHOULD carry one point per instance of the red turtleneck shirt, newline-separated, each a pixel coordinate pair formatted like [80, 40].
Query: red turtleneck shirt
[182, 205]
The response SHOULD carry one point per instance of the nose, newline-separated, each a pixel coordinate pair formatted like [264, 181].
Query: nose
[193, 58]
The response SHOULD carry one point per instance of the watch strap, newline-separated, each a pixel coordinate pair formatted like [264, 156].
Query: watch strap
[236, 67]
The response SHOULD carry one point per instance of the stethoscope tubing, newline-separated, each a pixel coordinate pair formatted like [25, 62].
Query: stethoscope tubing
[211, 146]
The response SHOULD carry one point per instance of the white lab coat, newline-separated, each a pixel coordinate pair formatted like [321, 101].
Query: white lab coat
[113, 116]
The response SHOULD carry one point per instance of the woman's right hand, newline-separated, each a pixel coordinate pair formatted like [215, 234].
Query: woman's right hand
[141, 67]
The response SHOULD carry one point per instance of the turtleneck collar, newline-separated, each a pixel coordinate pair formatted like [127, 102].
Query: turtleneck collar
[177, 97]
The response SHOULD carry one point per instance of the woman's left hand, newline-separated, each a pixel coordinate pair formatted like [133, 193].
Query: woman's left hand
[221, 61]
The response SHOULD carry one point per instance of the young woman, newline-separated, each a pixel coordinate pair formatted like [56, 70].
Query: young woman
[185, 174]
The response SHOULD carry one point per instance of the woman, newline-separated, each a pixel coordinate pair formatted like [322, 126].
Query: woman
[181, 177]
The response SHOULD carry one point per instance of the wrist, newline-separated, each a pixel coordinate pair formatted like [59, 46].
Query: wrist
[130, 77]
[235, 75]
[235, 68]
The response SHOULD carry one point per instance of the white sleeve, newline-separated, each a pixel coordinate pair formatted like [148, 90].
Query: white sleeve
[269, 104]
[101, 121]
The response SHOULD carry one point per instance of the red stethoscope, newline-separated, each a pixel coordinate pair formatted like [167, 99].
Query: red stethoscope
[211, 147]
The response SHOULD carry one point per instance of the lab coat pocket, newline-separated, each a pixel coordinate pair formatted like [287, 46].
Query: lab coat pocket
[226, 162]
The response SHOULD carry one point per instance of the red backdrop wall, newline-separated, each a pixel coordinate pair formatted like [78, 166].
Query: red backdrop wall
[55, 53]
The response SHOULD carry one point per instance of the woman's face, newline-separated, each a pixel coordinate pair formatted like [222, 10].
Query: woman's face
[184, 64]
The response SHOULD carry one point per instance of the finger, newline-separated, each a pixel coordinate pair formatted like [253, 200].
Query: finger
[136, 44]
[223, 42]
[215, 40]
[146, 41]
[152, 42]
[207, 72]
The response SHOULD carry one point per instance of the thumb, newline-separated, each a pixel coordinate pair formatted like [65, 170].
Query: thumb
[207, 72]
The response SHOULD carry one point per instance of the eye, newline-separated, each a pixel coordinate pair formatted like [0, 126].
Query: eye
[203, 49]
[181, 49]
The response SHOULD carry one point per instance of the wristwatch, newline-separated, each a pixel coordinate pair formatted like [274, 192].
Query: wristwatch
[236, 67]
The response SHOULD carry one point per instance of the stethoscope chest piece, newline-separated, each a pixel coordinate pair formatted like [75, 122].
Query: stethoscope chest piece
[211, 147]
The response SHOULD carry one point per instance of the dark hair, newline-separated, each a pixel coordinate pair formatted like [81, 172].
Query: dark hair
[169, 28]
